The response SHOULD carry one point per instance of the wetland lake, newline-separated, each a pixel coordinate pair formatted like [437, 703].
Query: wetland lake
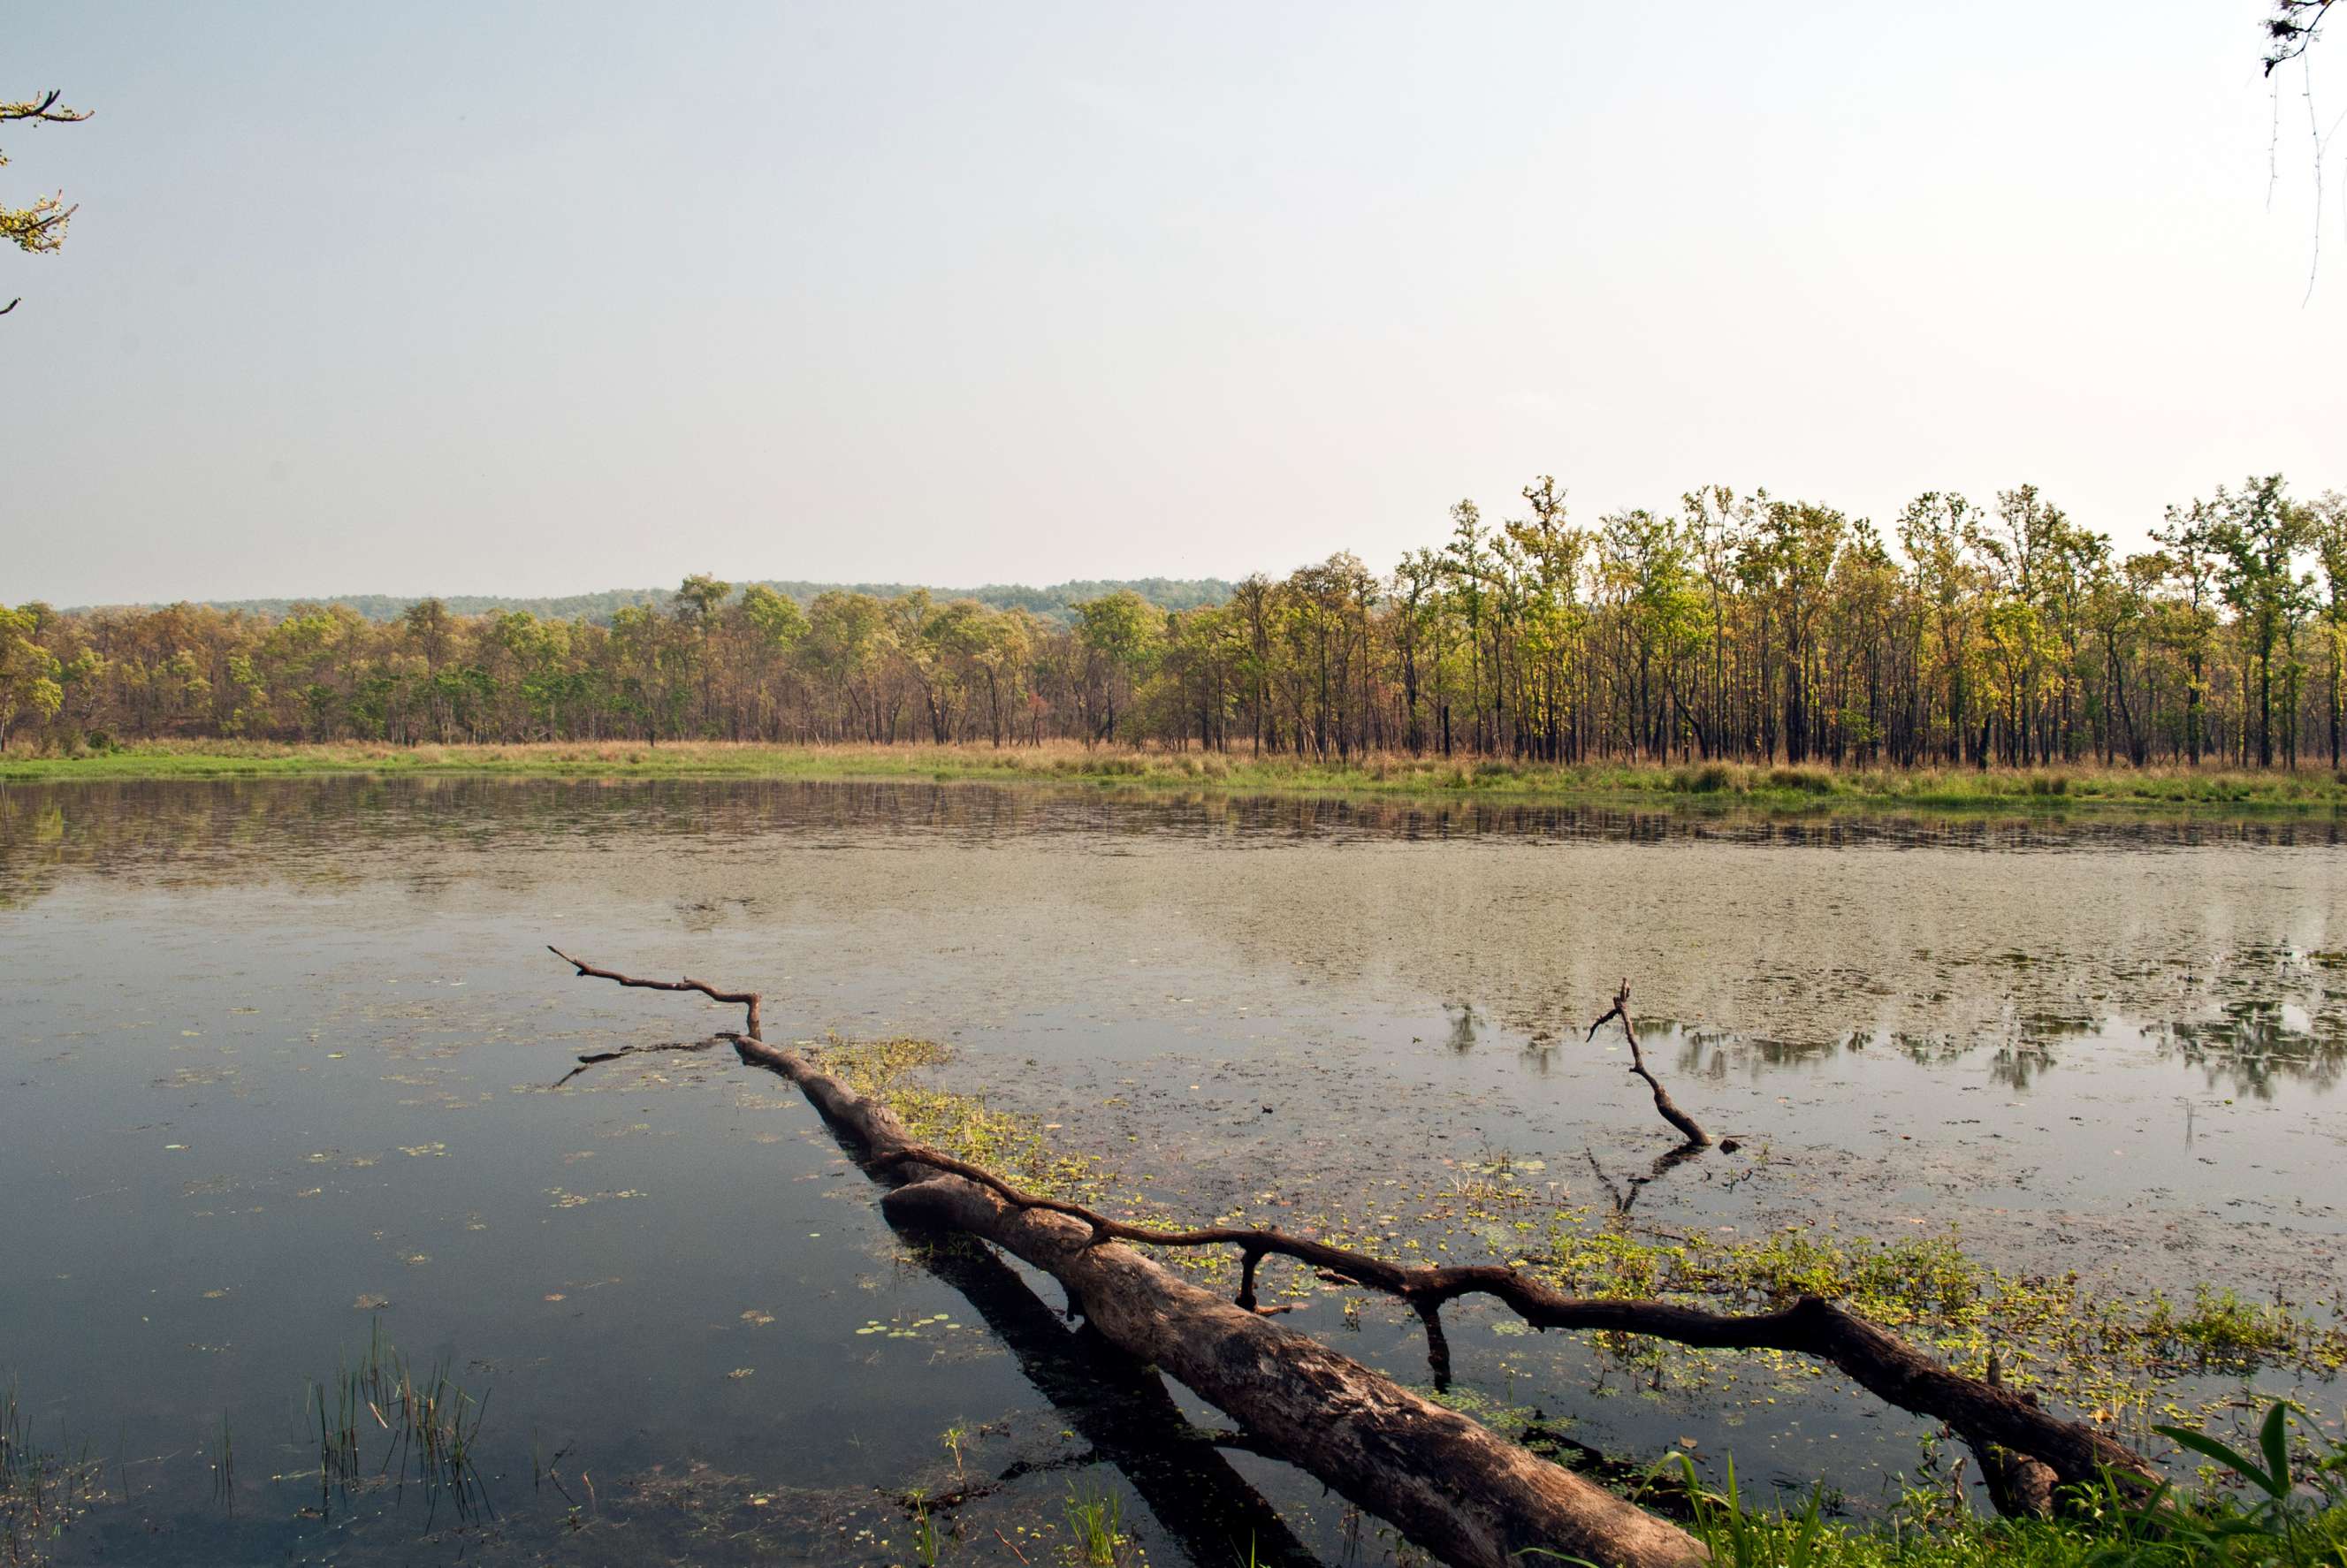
[282, 1083]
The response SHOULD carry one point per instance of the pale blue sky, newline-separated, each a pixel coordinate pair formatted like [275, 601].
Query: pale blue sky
[548, 298]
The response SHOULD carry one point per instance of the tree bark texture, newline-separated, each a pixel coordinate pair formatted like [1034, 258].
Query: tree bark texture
[1466, 1494]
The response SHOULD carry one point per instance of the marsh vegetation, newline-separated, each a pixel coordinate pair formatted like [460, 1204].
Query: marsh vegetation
[2212, 791]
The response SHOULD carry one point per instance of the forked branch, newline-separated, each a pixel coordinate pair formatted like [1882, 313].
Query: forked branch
[1686, 1124]
[1984, 1414]
[745, 1000]
[44, 107]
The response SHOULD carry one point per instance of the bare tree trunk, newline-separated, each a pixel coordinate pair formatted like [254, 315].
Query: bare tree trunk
[1121, 1406]
[1469, 1496]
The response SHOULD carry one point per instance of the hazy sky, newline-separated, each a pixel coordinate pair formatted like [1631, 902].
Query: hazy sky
[491, 298]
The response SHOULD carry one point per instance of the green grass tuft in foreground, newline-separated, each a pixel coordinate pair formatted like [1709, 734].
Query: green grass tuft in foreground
[2287, 1508]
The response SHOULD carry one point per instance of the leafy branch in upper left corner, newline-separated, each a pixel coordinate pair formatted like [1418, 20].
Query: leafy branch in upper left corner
[38, 229]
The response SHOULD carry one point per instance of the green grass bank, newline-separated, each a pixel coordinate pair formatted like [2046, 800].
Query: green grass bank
[2050, 788]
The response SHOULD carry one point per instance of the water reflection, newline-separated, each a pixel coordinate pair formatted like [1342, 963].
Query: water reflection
[203, 828]
[1808, 933]
[2257, 1046]
[2250, 1063]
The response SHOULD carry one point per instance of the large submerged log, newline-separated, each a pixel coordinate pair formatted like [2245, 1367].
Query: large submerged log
[1454, 1486]
[1119, 1407]
[1472, 1498]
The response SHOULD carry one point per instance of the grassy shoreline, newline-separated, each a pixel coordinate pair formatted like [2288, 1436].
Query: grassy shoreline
[2052, 788]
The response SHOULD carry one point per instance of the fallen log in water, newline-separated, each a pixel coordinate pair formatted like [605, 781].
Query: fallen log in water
[1460, 1491]
[1121, 1408]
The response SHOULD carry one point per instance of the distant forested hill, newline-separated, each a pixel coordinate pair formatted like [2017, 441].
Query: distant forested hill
[1052, 603]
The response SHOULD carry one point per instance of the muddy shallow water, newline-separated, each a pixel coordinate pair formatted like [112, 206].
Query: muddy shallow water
[277, 1065]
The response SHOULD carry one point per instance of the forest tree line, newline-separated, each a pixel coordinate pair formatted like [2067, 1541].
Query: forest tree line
[1053, 603]
[1735, 626]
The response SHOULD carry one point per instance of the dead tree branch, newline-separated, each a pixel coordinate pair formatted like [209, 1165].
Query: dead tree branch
[1460, 1491]
[1450, 1483]
[2292, 30]
[1693, 1133]
[746, 999]
[1982, 1413]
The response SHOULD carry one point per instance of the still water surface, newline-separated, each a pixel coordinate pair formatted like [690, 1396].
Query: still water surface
[278, 1065]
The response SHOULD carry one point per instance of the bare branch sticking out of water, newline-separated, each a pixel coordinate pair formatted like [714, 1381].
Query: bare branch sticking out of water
[1695, 1136]
[746, 999]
